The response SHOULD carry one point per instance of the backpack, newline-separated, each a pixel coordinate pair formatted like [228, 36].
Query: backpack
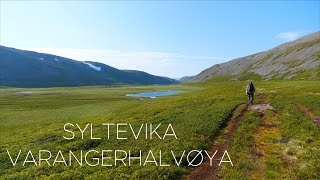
[251, 88]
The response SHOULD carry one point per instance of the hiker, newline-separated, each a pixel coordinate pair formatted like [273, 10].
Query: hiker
[250, 90]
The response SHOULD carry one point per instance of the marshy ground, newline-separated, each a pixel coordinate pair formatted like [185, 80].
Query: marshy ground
[277, 137]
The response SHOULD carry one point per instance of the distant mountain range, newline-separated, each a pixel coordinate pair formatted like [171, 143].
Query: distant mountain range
[299, 59]
[20, 68]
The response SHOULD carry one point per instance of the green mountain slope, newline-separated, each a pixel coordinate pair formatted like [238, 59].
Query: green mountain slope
[299, 59]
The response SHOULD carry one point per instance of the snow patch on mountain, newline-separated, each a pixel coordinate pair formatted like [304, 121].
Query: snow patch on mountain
[93, 66]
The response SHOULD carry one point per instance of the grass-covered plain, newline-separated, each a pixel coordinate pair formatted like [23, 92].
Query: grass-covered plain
[35, 121]
[283, 143]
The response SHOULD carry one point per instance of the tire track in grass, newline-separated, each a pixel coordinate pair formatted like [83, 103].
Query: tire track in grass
[308, 113]
[270, 150]
[274, 162]
[219, 144]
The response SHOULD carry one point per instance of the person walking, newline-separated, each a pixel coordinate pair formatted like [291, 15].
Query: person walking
[250, 90]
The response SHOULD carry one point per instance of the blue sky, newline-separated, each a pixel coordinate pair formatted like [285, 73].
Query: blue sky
[168, 38]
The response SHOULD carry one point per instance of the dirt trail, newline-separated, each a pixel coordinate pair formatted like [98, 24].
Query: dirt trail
[308, 113]
[205, 171]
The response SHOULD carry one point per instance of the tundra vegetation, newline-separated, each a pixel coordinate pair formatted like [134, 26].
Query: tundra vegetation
[281, 143]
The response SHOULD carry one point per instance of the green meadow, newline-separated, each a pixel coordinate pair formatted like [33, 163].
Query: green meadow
[287, 147]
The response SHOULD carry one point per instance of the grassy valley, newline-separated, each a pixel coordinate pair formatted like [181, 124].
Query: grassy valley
[281, 143]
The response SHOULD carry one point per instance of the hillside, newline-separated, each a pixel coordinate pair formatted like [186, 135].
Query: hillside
[19, 68]
[185, 78]
[299, 59]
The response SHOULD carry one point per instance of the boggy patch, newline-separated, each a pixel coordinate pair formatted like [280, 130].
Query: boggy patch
[261, 108]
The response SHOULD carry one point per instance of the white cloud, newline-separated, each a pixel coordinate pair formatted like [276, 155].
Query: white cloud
[158, 63]
[289, 36]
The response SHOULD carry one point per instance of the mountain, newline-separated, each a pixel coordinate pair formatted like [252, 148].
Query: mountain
[299, 59]
[185, 78]
[20, 68]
